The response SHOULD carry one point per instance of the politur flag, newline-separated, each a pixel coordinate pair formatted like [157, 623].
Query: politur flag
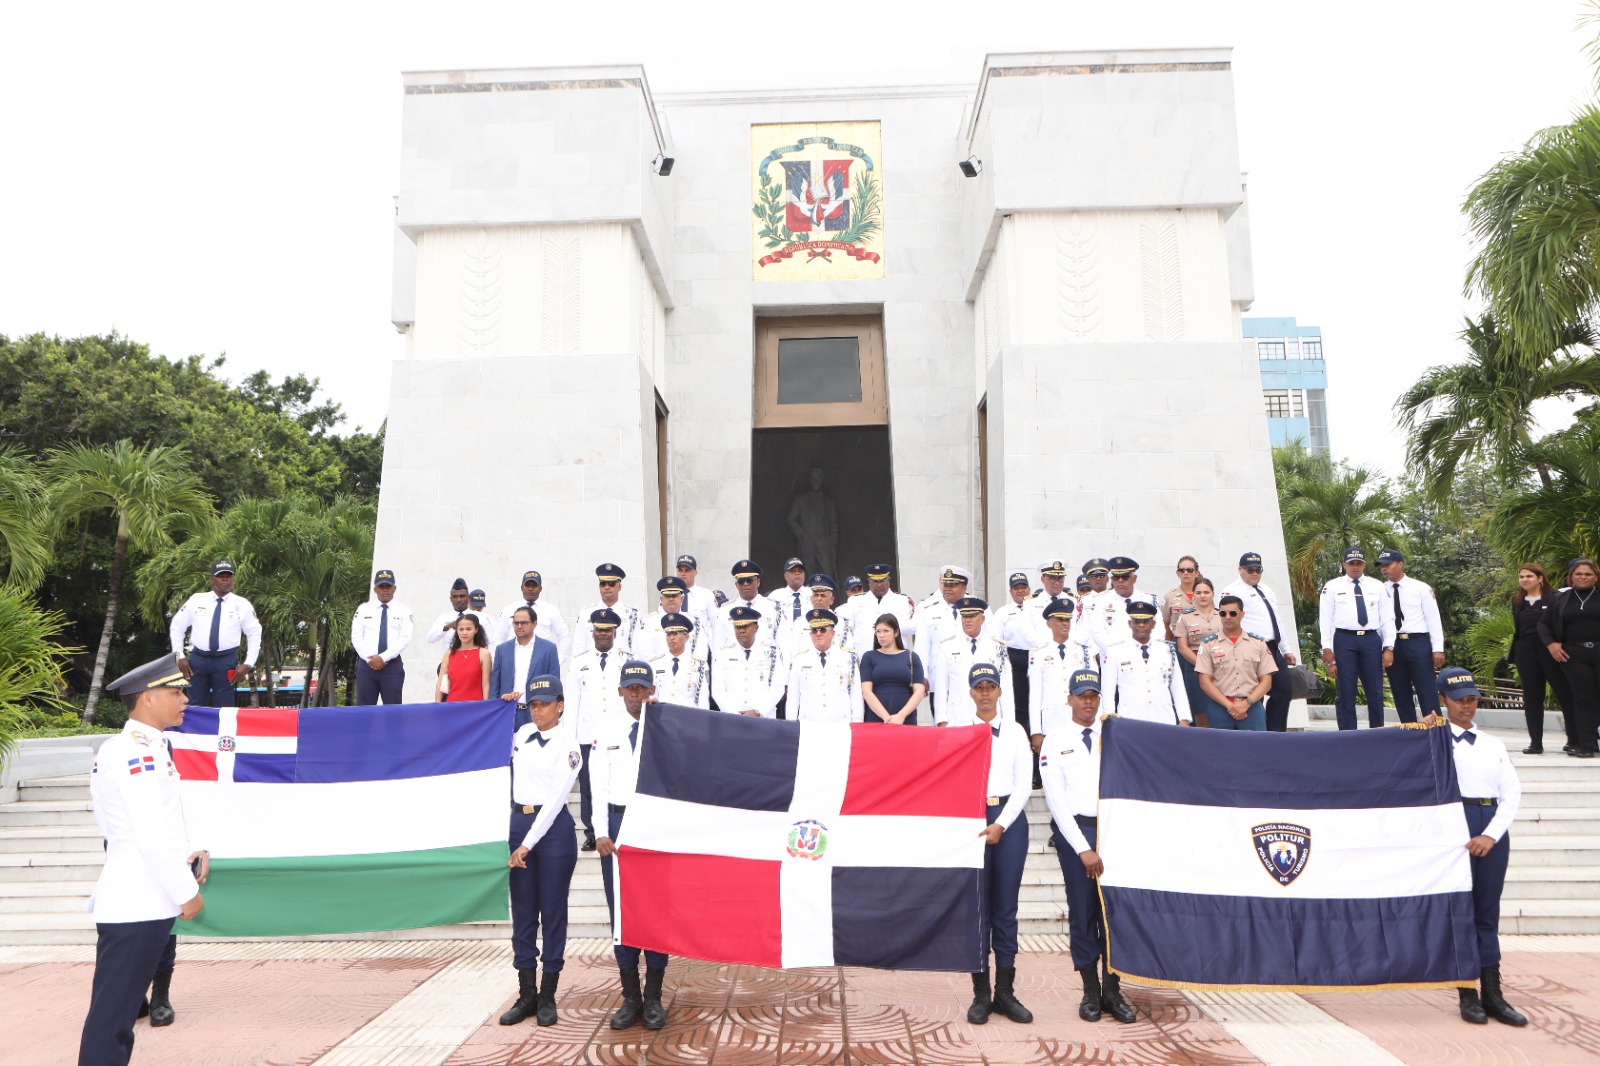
[1296, 862]
[786, 844]
[347, 819]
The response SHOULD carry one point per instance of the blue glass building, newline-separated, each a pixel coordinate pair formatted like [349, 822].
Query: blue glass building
[1294, 380]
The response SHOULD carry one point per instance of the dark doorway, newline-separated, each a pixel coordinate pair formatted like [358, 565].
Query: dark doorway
[856, 477]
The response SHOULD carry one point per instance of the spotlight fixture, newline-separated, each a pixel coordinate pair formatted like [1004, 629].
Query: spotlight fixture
[971, 166]
[662, 164]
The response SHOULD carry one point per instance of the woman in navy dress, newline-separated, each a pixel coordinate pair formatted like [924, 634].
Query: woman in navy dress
[892, 681]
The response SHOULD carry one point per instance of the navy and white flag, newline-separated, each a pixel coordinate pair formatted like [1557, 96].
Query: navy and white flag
[786, 844]
[1300, 862]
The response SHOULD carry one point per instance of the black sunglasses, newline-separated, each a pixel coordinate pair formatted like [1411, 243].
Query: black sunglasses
[1230, 614]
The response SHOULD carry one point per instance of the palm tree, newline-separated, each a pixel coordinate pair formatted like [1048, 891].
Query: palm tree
[22, 524]
[1536, 215]
[1322, 517]
[1479, 409]
[1560, 520]
[147, 488]
[31, 662]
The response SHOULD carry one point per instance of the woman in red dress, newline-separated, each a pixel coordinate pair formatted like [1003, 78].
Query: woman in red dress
[464, 673]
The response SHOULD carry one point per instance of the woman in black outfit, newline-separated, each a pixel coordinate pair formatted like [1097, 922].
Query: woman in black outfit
[1535, 666]
[1571, 630]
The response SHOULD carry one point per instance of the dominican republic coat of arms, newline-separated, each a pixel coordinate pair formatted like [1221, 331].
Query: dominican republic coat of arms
[818, 201]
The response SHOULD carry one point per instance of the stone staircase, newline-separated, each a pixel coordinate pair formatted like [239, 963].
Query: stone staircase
[50, 855]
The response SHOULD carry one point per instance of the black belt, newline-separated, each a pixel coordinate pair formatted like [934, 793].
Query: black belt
[1358, 632]
[1583, 643]
[1413, 636]
[1085, 819]
[234, 651]
[1479, 801]
[617, 808]
[998, 801]
[523, 808]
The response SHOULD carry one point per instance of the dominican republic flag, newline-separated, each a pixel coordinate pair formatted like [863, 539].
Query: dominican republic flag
[347, 819]
[786, 844]
[819, 195]
[1293, 862]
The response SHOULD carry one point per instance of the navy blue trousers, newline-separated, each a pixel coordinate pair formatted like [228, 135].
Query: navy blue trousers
[208, 677]
[586, 797]
[1279, 695]
[125, 955]
[1000, 888]
[375, 685]
[1359, 659]
[1086, 923]
[1412, 672]
[627, 957]
[539, 892]
[1488, 879]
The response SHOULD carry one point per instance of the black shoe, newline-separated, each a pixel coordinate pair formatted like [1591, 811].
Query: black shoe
[1111, 999]
[632, 1003]
[546, 1013]
[982, 1003]
[1005, 1001]
[144, 1008]
[588, 844]
[161, 1012]
[527, 998]
[1581, 754]
[1089, 1005]
[1568, 749]
[1471, 1009]
[1533, 749]
[1494, 1004]
[655, 1015]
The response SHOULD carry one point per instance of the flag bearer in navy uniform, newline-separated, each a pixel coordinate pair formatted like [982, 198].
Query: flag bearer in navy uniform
[1070, 766]
[1006, 837]
[1490, 794]
[545, 760]
[215, 621]
[1357, 639]
[1418, 637]
[379, 632]
[148, 879]
[615, 766]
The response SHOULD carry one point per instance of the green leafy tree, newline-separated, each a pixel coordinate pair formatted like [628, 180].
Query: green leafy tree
[146, 488]
[32, 663]
[1488, 643]
[23, 528]
[1326, 507]
[1561, 520]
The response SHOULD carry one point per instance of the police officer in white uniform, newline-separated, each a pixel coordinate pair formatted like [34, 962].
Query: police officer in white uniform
[152, 872]
[1418, 637]
[825, 680]
[747, 582]
[616, 775]
[937, 617]
[215, 622]
[545, 760]
[1140, 675]
[682, 676]
[1018, 629]
[495, 629]
[630, 627]
[791, 601]
[1107, 616]
[700, 603]
[747, 675]
[1261, 619]
[672, 594]
[880, 599]
[1357, 639]
[444, 626]
[552, 623]
[1051, 666]
[591, 676]
[379, 632]
[796, 632]
[956, 657]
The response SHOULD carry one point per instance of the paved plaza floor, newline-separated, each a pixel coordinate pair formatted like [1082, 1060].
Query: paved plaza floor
[411, 1003]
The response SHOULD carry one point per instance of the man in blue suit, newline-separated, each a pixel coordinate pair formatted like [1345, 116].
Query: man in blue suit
[520, 660]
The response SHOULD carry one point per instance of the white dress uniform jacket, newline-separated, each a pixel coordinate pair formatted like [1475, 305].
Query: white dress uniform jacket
[866, 608]
[364, 629]
[688, 686]
[769, 629]
[1010, 767]
[1337, 609]
[653, 639]
[948, 670]
[590, 681]
[1484, 771]
[1147, 687]
[1050, 669]
[701, 606]
[825, 689]
[1069, 766]
[552, 626]
[749, 679]
[1106, 619]
[614, 765]
[238, 618]
[543, 768]
[438, 634]
[783, 601]
[1018, 626]
[1420, 606]
[134, 787]
[937, 622]
[630, 634]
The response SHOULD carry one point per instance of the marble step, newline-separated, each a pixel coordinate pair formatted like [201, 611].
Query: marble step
[47, 812]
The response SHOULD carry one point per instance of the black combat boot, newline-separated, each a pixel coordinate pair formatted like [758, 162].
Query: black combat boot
[1089, 1005]
[527, 998]
[655, 1015]
[1005, 1000]
[632, 1004]
[546, 1013]
[1111, 998]
[978, 1013]
[161, 1012]
[1494, 1004]
[1471, 1008]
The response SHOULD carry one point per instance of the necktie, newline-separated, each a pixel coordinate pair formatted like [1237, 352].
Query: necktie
[1469, 737]
[383, 630]
[1061, 652]
[541, 738]
[1088, 739]
[797, 603]
[1361, 604]
[1277, 635]
[747, 653]
[974, 645]
[955, 614]
[674, 665]
[633, 737]
[995, 730]
[603, 660]
[216, 626]
[1399, 615]
[1144, 649]
[823, 656]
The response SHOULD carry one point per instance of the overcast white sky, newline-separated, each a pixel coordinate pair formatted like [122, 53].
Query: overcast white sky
[218, 178]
